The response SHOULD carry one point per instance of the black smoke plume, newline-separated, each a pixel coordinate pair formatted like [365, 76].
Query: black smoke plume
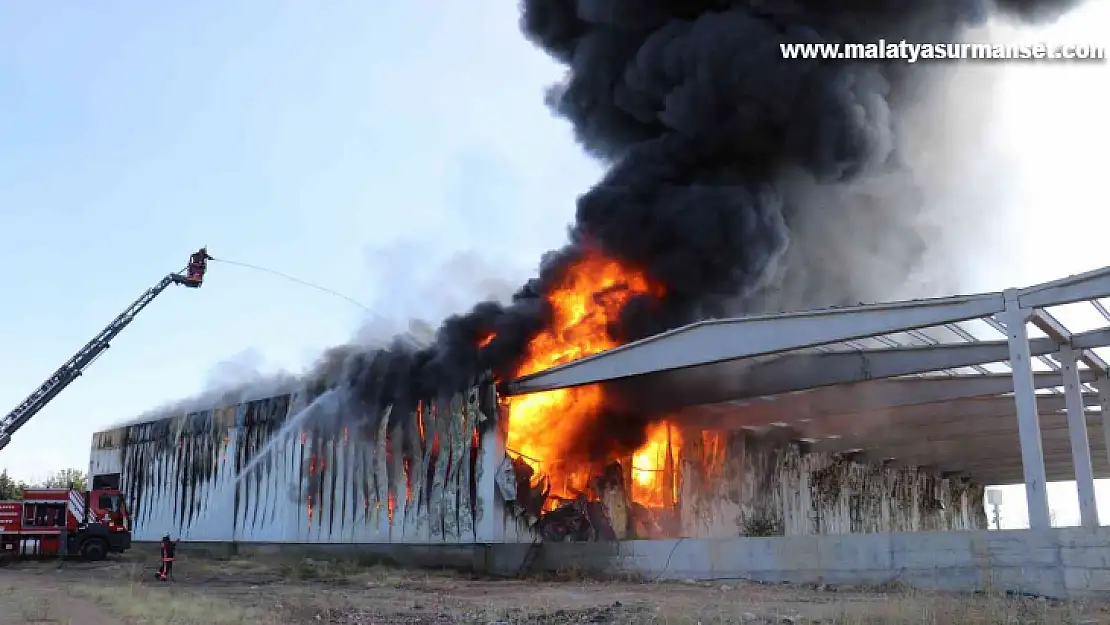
[721, 153]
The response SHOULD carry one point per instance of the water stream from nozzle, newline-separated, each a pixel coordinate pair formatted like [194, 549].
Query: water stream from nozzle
[329, 400]
[299, 281]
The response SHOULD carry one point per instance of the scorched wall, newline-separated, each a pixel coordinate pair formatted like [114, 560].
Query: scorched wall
[195, 476]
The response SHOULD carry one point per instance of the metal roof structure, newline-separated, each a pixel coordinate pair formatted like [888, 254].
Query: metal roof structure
[993, 387]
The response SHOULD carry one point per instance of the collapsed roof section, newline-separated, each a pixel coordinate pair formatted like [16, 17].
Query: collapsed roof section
[956, 383]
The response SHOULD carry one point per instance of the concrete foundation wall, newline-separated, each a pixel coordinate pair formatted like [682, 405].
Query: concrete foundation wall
[1069, 562]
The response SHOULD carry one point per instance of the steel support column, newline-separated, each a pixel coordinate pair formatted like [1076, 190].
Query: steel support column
[1102, 383]
[490, 527]
[1077, 432]
[1029, 428]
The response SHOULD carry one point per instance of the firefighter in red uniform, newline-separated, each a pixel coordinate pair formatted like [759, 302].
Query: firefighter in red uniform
[169, 547]
[198, 264]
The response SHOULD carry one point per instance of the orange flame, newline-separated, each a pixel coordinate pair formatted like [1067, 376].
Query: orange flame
[543, 426]
[653, 467]
[406, 465]
[310, 511]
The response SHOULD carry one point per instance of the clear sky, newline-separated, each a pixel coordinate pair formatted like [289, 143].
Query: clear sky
[399, 153]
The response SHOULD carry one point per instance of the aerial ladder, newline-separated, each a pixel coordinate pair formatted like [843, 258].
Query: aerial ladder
[192, 277]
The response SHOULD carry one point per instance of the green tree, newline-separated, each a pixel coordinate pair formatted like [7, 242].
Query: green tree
[67, 478]
[10, 488]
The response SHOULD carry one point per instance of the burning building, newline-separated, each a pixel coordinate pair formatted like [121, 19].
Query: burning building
[217, 475]
[477, 466]
[739, 182]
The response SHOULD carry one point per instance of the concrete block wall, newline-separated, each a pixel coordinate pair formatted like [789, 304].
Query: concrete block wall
[1063, 563]
[1068, 562]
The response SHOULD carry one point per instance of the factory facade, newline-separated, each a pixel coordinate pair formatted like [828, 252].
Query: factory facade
[241, 474]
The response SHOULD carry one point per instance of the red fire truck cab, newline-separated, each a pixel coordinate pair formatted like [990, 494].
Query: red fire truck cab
[45, 521]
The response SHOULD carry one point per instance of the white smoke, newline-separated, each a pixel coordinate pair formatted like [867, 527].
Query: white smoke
[428, 293]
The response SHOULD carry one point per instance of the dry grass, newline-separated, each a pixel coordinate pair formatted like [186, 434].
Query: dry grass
[234, 592]
[140, 603]
[22, 607]
[20, 603]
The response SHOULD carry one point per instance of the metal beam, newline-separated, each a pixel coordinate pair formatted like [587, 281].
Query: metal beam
[943, 450]
[1059, 468]
[1088, 340]
[1060, 472]
[790, 373]
[978, 433]
[1057, 471]
[881, 420]
[1056, 330]
[1085, 286]
[1000, 464]
[720, 340]
[865, 396]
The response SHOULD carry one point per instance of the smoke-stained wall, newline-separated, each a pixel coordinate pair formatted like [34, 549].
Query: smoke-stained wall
[252, 472]
[739, 483]
[234, 474]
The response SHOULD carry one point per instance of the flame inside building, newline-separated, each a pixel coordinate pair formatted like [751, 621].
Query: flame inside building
[546, 430]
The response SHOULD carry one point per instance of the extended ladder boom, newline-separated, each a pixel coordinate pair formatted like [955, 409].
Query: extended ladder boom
[75, 366]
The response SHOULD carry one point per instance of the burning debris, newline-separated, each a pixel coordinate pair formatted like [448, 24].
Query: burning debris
[603, 511]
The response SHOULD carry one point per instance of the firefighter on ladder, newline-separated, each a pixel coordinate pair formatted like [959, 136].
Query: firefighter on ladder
[198, 265]
[169, 547]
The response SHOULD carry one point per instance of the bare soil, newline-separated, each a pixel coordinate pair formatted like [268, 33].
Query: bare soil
[240, 592]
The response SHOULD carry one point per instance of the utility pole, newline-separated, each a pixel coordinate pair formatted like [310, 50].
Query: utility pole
[994, 499]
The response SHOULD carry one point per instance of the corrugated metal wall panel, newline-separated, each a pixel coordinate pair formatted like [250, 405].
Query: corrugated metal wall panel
[207, 475]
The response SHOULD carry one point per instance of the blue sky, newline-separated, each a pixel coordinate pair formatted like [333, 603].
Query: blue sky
[399, 153]
[374, 151]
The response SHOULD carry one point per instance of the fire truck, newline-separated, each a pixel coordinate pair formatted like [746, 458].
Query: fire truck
[89, 524]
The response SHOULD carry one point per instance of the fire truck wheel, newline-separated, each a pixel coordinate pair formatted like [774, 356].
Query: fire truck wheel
[94, 549]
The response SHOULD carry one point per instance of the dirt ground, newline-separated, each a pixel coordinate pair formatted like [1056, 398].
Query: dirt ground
[234, 592]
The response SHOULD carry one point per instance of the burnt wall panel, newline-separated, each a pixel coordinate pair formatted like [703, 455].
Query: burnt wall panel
[438, 473]
[734, 484]
[740, 484]
[238, 473]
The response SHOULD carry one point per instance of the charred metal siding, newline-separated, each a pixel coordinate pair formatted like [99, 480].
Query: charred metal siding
[437, 476]
[203, 476]
[741, 484]
[737, 483]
